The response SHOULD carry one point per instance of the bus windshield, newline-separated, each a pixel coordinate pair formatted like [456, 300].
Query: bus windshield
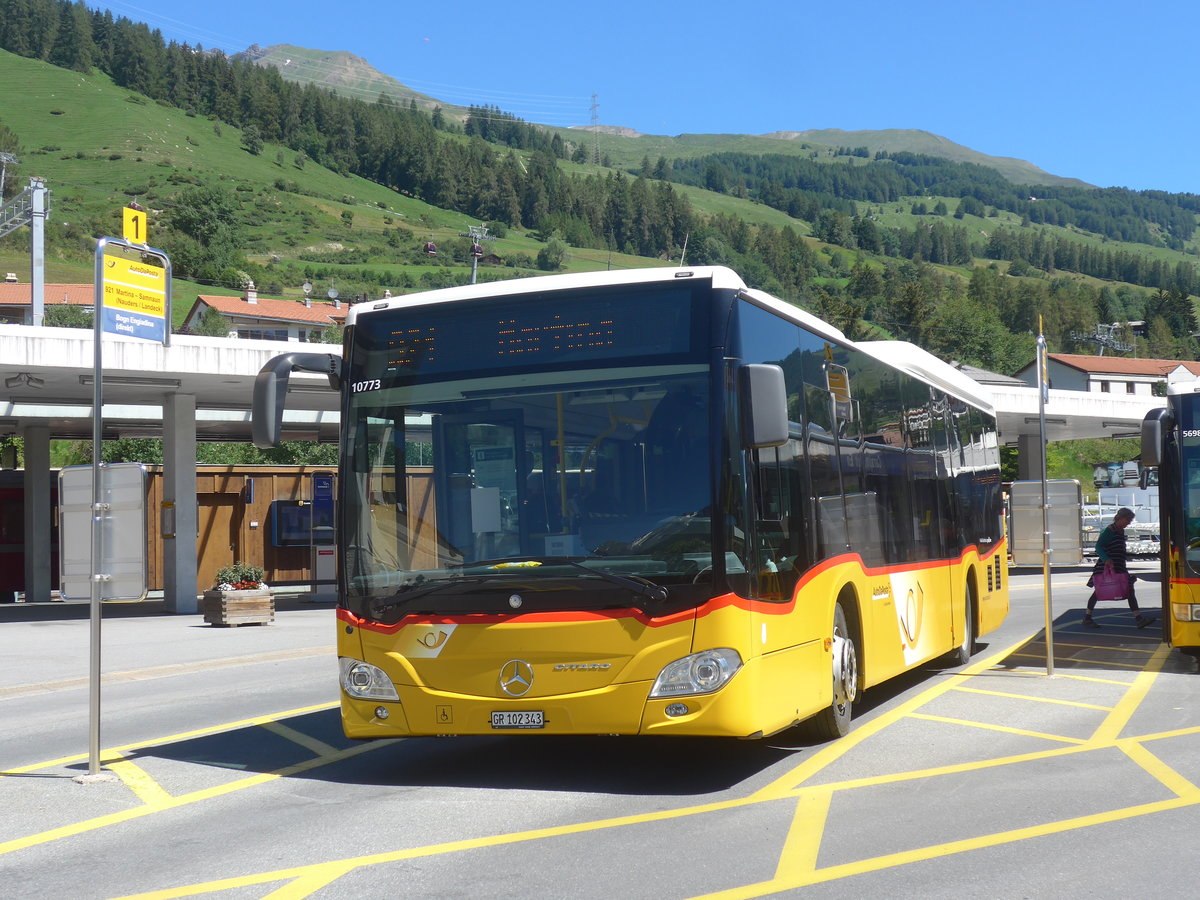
[1189, 474]
[475, 485]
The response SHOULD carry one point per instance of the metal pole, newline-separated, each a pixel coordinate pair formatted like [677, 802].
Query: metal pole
[37, 250]
[101, 510]
[1043, 395]
[97, 522]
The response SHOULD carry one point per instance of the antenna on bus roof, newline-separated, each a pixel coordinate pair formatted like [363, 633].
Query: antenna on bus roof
[684, 253]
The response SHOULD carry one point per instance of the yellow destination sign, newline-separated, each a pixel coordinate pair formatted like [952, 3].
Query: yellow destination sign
[837, 379]
[134, 287]
[136, 229]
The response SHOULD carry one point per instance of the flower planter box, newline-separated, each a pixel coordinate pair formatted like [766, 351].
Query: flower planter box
[233, 608]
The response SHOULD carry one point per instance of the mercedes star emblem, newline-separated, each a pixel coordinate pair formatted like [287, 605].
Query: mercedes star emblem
[516, 677]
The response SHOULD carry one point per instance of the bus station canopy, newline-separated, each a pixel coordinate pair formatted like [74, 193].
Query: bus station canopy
[48, 380]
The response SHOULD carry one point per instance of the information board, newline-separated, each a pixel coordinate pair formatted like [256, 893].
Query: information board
[123, 532]
[1064, 505]
[135, 299]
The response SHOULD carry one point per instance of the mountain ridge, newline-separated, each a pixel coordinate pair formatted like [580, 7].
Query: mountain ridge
[916, 140]
[339, 70]
[355, 76]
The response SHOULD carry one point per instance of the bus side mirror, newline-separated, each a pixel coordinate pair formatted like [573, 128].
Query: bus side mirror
[1144, 478]
[270, 391]
[1155, 427]
[763, 398]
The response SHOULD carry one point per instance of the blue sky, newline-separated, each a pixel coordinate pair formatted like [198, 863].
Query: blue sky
[1101, 91]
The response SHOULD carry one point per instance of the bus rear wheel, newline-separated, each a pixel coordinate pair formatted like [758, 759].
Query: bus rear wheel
[834, 721]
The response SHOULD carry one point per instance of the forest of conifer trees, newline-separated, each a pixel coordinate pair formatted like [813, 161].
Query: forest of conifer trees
[870, 279]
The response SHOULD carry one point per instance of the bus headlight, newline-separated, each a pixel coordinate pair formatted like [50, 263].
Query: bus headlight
[1186, 612]
[365, 681]
[700, 673]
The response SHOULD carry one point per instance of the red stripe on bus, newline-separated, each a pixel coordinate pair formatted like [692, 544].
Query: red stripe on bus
[709, 607]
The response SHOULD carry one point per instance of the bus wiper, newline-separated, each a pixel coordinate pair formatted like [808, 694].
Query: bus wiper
[419, 588]
[638, 585]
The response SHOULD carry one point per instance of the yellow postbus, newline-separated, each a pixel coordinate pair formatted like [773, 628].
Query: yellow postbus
[1171, 442]
[644, 502]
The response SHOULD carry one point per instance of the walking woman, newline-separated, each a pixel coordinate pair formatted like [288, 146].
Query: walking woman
[1110, 557]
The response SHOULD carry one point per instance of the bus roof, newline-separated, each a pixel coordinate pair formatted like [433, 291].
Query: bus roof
[1182, 387]
[900, 354]
[721, 278]
[924, 365]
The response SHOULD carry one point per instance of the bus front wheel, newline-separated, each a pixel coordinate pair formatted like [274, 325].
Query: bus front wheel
[834, 721]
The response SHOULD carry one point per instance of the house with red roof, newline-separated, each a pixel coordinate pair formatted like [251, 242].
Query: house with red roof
[249, 315]
[264, 319]
[16, 299]
[1111, 374]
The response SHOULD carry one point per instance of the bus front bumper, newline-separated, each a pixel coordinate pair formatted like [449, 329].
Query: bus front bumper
[740, 709]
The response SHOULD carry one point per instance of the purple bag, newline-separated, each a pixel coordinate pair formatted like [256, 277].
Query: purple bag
[1111, 585]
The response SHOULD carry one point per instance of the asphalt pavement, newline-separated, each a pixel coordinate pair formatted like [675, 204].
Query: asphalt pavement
[985, 780]
[49, 644]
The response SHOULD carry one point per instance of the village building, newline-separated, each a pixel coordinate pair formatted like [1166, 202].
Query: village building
[16, 299]
[259, 318]
[249, 316]
[1112, 374]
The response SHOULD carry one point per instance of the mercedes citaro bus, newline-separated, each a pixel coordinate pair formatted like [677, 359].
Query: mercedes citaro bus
[644, 502]
[1171, 442]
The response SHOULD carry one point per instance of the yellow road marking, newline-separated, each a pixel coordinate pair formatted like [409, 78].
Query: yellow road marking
[164, 800]
[1164, 735]
[173, 802]
[1160, 770]
[952, 769]
[171, 738]
[1110, 729]
[319, 874]
[310, 882]
[296, 737]
[134, 777]
[803, 842]
[797, 864]
[1073, 677]
[498, 840]
[1099, 663]
[891, 860]
[967, 690]
[843, 745]
[988, 726]
[1104, 647]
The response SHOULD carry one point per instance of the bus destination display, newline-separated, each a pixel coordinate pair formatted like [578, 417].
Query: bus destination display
[506, 334]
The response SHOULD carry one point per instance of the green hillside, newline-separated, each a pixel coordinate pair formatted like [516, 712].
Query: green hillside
[100, 147]
[248, 175]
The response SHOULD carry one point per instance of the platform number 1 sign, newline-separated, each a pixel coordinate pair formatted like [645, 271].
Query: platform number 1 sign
[135, 230]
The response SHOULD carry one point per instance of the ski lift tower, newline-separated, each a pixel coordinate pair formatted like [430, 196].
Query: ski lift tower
[478, 234]
[29, 208]
[1104, 336]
